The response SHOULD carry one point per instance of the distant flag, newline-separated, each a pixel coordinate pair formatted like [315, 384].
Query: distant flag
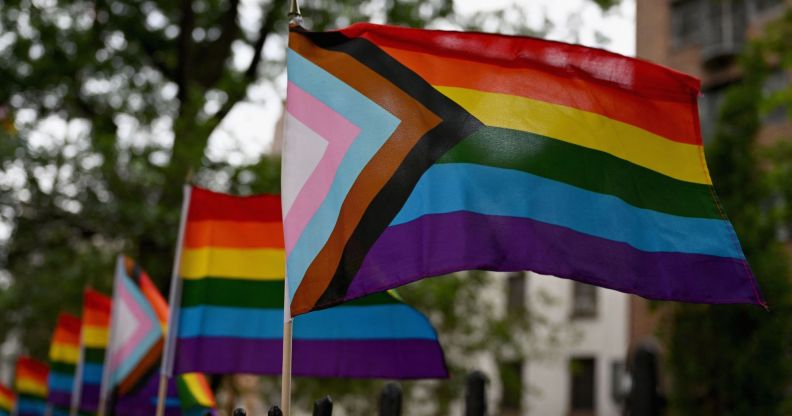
[230, 318]
[94, 339]
[7, 400]
[414, 153]
[135, 290]
[136, 335]
[64, 354]
[30, 384]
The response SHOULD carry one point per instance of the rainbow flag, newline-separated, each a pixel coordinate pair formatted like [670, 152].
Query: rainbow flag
[93, 343]
[414, 153]
[64, 354]
[7, 400]
[136, 335]
[30, 383]
[230, 315]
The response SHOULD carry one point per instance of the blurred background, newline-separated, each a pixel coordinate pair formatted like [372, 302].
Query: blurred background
[105, 105]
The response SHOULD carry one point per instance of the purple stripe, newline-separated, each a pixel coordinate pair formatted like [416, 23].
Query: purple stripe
[444, 243]
[89, 398]
[143, 401]
[59, 398]
[389, 359]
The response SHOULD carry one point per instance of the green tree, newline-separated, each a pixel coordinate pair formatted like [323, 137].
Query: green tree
[727, 359]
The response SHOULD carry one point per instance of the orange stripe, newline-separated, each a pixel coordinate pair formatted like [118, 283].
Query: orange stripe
[234, 234]
[154, 297]
[672, 120]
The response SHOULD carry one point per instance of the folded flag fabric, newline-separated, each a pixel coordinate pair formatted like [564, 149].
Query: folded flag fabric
[136, 335]
[30, 383]
[230, 318]
[413, 153]
[7, 400]
[94, 337]
[64, 354]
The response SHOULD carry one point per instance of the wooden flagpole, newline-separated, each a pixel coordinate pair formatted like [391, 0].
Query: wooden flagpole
[295, 19]
[174, 300]
[104, 389]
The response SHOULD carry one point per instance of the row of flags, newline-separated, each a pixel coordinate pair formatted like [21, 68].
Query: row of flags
[229, 319]
[409, 154]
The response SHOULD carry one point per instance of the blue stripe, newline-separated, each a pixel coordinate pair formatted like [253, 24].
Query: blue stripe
[376, 125]
[341, 323]
[29, 406]
[446, 188]
[60, 381]
[92, 373]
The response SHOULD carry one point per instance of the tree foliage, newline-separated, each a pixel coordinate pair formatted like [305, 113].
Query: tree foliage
[735, 360]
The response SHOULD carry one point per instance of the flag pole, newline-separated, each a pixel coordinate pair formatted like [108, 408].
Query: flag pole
[295, 20]
[105, 387]
[174, 301]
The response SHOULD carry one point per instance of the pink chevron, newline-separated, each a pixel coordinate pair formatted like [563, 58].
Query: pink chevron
[144, 326]
[339, 132]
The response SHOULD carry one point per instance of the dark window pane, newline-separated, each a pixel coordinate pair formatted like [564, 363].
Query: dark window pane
[584, 300]
[516, 295]
[512, 381]
[583, 388]
[685, 22]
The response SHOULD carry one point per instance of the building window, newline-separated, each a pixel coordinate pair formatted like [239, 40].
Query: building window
[584, 300]
[515, 298]
[709, 108]
[761, 6]
[685, 22]
[583, 386]
[724, 26]
[512, 382]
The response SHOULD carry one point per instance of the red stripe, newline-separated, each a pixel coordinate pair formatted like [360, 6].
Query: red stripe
[96, 308]
[67, 330]
[208, 205]
[34, 369]
[670, 119]
[573, 61]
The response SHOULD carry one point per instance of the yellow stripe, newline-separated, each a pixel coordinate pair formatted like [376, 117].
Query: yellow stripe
[32, 387]
[681, 161]
[69, 354]
[254, 264]
[198, 389]
[95, 337]
[6, 403]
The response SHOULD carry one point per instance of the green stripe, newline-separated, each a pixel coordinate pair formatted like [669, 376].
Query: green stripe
[62, 368]
[94, 355]
[584, 168]
[243, 293]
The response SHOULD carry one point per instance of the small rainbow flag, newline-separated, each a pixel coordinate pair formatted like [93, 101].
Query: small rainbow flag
[413, 153]
[230, 315]
[64, 355]
[94, 339]
[30, 383]
[7, 400]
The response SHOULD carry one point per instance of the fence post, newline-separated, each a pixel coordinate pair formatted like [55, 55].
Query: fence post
[274, 411]
[323, 407]
[390, 400]
[476, 394]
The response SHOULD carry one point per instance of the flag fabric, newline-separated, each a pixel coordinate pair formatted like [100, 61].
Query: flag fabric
[414, 153]
[30, 383]
[64, 354]
[7, 400]
[230, 316]
[93, 343]
[136, 335]
[140, 398]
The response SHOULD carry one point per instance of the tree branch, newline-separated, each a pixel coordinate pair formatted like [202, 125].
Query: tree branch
[186, 26]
